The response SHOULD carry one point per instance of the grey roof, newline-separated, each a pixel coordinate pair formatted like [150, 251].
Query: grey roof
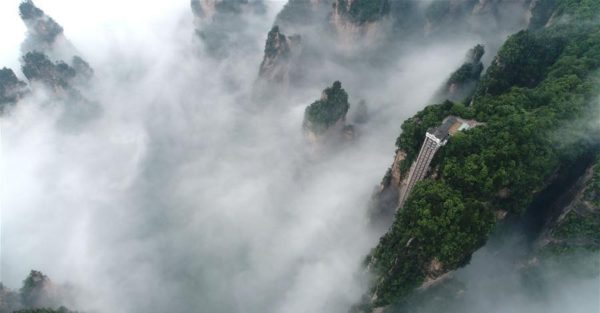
[443, 131]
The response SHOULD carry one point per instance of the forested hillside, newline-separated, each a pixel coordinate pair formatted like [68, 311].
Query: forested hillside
[540, 81]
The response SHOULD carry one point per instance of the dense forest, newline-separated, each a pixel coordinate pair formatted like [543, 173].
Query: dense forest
[539, 82]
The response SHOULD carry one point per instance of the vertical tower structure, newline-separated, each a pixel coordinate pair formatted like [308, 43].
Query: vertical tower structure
[434, 139]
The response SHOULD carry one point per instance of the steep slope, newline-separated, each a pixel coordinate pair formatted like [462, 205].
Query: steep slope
[463, 81]
[539, 82]
[357, 18]
[44, 34]
[11, 88]
[578, 224]
[220, 24]
[279, 53]
[46, 52]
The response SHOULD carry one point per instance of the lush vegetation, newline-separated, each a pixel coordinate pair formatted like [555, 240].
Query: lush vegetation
[436, 223]
[540, 81]
[463, 81]
[276, 44]
[414, 128]
[37, 295]
[35, 290]
[575, 226]
[327, 111]
[471, 69]
[581, 225]
[37, 67]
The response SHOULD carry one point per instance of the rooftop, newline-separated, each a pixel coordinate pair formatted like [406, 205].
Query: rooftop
[450, 126]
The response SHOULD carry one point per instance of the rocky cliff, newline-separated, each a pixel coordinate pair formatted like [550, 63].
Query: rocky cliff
[220, 24]
[576, 225]
[46, 52]
[463, 81]
[11, 88]
[280, 50]
[353, 19]
[44, 34]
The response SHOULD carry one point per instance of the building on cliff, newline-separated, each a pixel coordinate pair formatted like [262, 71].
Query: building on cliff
[434, 139]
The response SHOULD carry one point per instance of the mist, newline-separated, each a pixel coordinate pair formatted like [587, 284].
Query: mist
[184, 193]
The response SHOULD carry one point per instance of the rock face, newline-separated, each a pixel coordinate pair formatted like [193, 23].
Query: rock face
[49, 60]
[328, 114]
[578, 223]
[359, 12]
[11, 88]
[483, 16]
[44, 51]
[59, 77]
[279, 50]
[301, 13]
[463, 81]
[384, 200]
[44, 34]
[43, 31]
[353, 19]
[220, 24]
[38, 68]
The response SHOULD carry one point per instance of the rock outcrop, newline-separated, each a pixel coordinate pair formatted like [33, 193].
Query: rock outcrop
[11, 88]
[483, 16]
[279, 52]
[45, 50]
[327, 115]
[44, 34]
[59, 77]
[577, 225]
[38, 291]
[352, 19]
[384, 200]
[297, 14]
[37, 294]
[50, 60]
[463, 81]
